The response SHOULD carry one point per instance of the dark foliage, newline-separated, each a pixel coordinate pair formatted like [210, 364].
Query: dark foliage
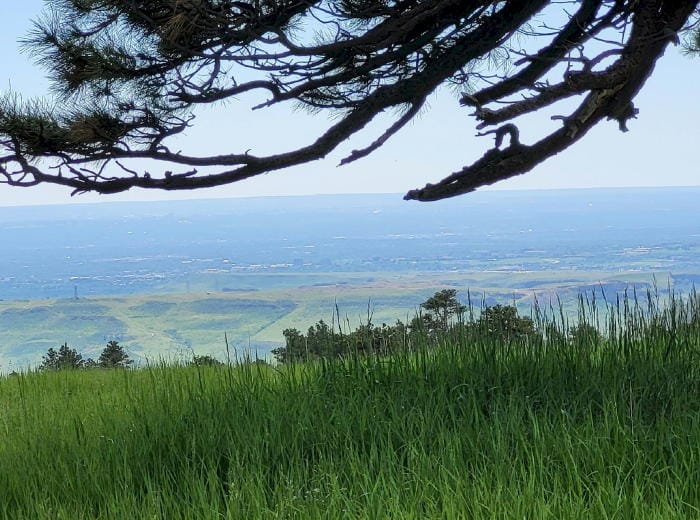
[64, 358]
[321, 341]
[584, 335]
[114, 356]
[503, 321]
[442, 307]
[205, 361]
[500, 323]
[128, 73]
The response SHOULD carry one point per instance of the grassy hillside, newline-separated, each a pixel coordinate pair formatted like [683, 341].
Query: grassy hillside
[173, 325]
[465, 429]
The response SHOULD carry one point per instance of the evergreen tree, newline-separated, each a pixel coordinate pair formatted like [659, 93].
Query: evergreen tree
[114, 356]
[64, 358]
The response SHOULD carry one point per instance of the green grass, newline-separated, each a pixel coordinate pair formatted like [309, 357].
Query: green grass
[471, 428]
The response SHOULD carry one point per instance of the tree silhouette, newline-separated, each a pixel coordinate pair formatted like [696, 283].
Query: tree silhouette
[128, 74]
[65, 357]
[441, 307]
[114, 356]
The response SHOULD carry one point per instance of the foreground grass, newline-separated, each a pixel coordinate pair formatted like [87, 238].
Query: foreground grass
[470, 429]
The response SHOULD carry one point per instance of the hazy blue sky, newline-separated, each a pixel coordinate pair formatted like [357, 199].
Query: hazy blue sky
[659, 150]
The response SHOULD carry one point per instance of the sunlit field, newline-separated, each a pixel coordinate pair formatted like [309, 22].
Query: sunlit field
[461, 426]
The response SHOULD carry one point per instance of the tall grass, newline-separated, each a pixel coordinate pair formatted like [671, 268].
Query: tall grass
[470, 428]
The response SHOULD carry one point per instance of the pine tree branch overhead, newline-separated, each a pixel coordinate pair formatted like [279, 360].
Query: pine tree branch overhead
[128, 75]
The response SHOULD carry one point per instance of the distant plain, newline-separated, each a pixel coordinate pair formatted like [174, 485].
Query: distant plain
[168, 280]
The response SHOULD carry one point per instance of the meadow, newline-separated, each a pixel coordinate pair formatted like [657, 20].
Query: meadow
[458, 426]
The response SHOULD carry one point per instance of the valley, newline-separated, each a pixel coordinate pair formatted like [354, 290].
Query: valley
[168, 280]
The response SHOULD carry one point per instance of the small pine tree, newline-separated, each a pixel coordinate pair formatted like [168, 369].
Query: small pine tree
[65, 357]
[49, 361]
[114, 356]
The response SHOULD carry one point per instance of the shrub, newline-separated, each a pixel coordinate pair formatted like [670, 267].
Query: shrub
[502, 321]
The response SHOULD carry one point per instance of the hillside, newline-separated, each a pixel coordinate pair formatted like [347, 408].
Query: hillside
[173, 326]
[467, 428]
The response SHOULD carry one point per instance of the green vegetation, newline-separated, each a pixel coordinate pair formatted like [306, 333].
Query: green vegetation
[63, 358]
[441, 307]
[172, 326]
[66, 358]
[553, 425]
[206, 361]
[150, 327]
[443, 320]
[114, 356]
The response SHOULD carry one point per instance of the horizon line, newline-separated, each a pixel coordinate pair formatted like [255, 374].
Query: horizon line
[73, 201]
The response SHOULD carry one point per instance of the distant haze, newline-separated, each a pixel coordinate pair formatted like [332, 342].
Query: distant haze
[123, 248]
[170, 278]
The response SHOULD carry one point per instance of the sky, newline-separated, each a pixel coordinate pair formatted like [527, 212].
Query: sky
[657, 151]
